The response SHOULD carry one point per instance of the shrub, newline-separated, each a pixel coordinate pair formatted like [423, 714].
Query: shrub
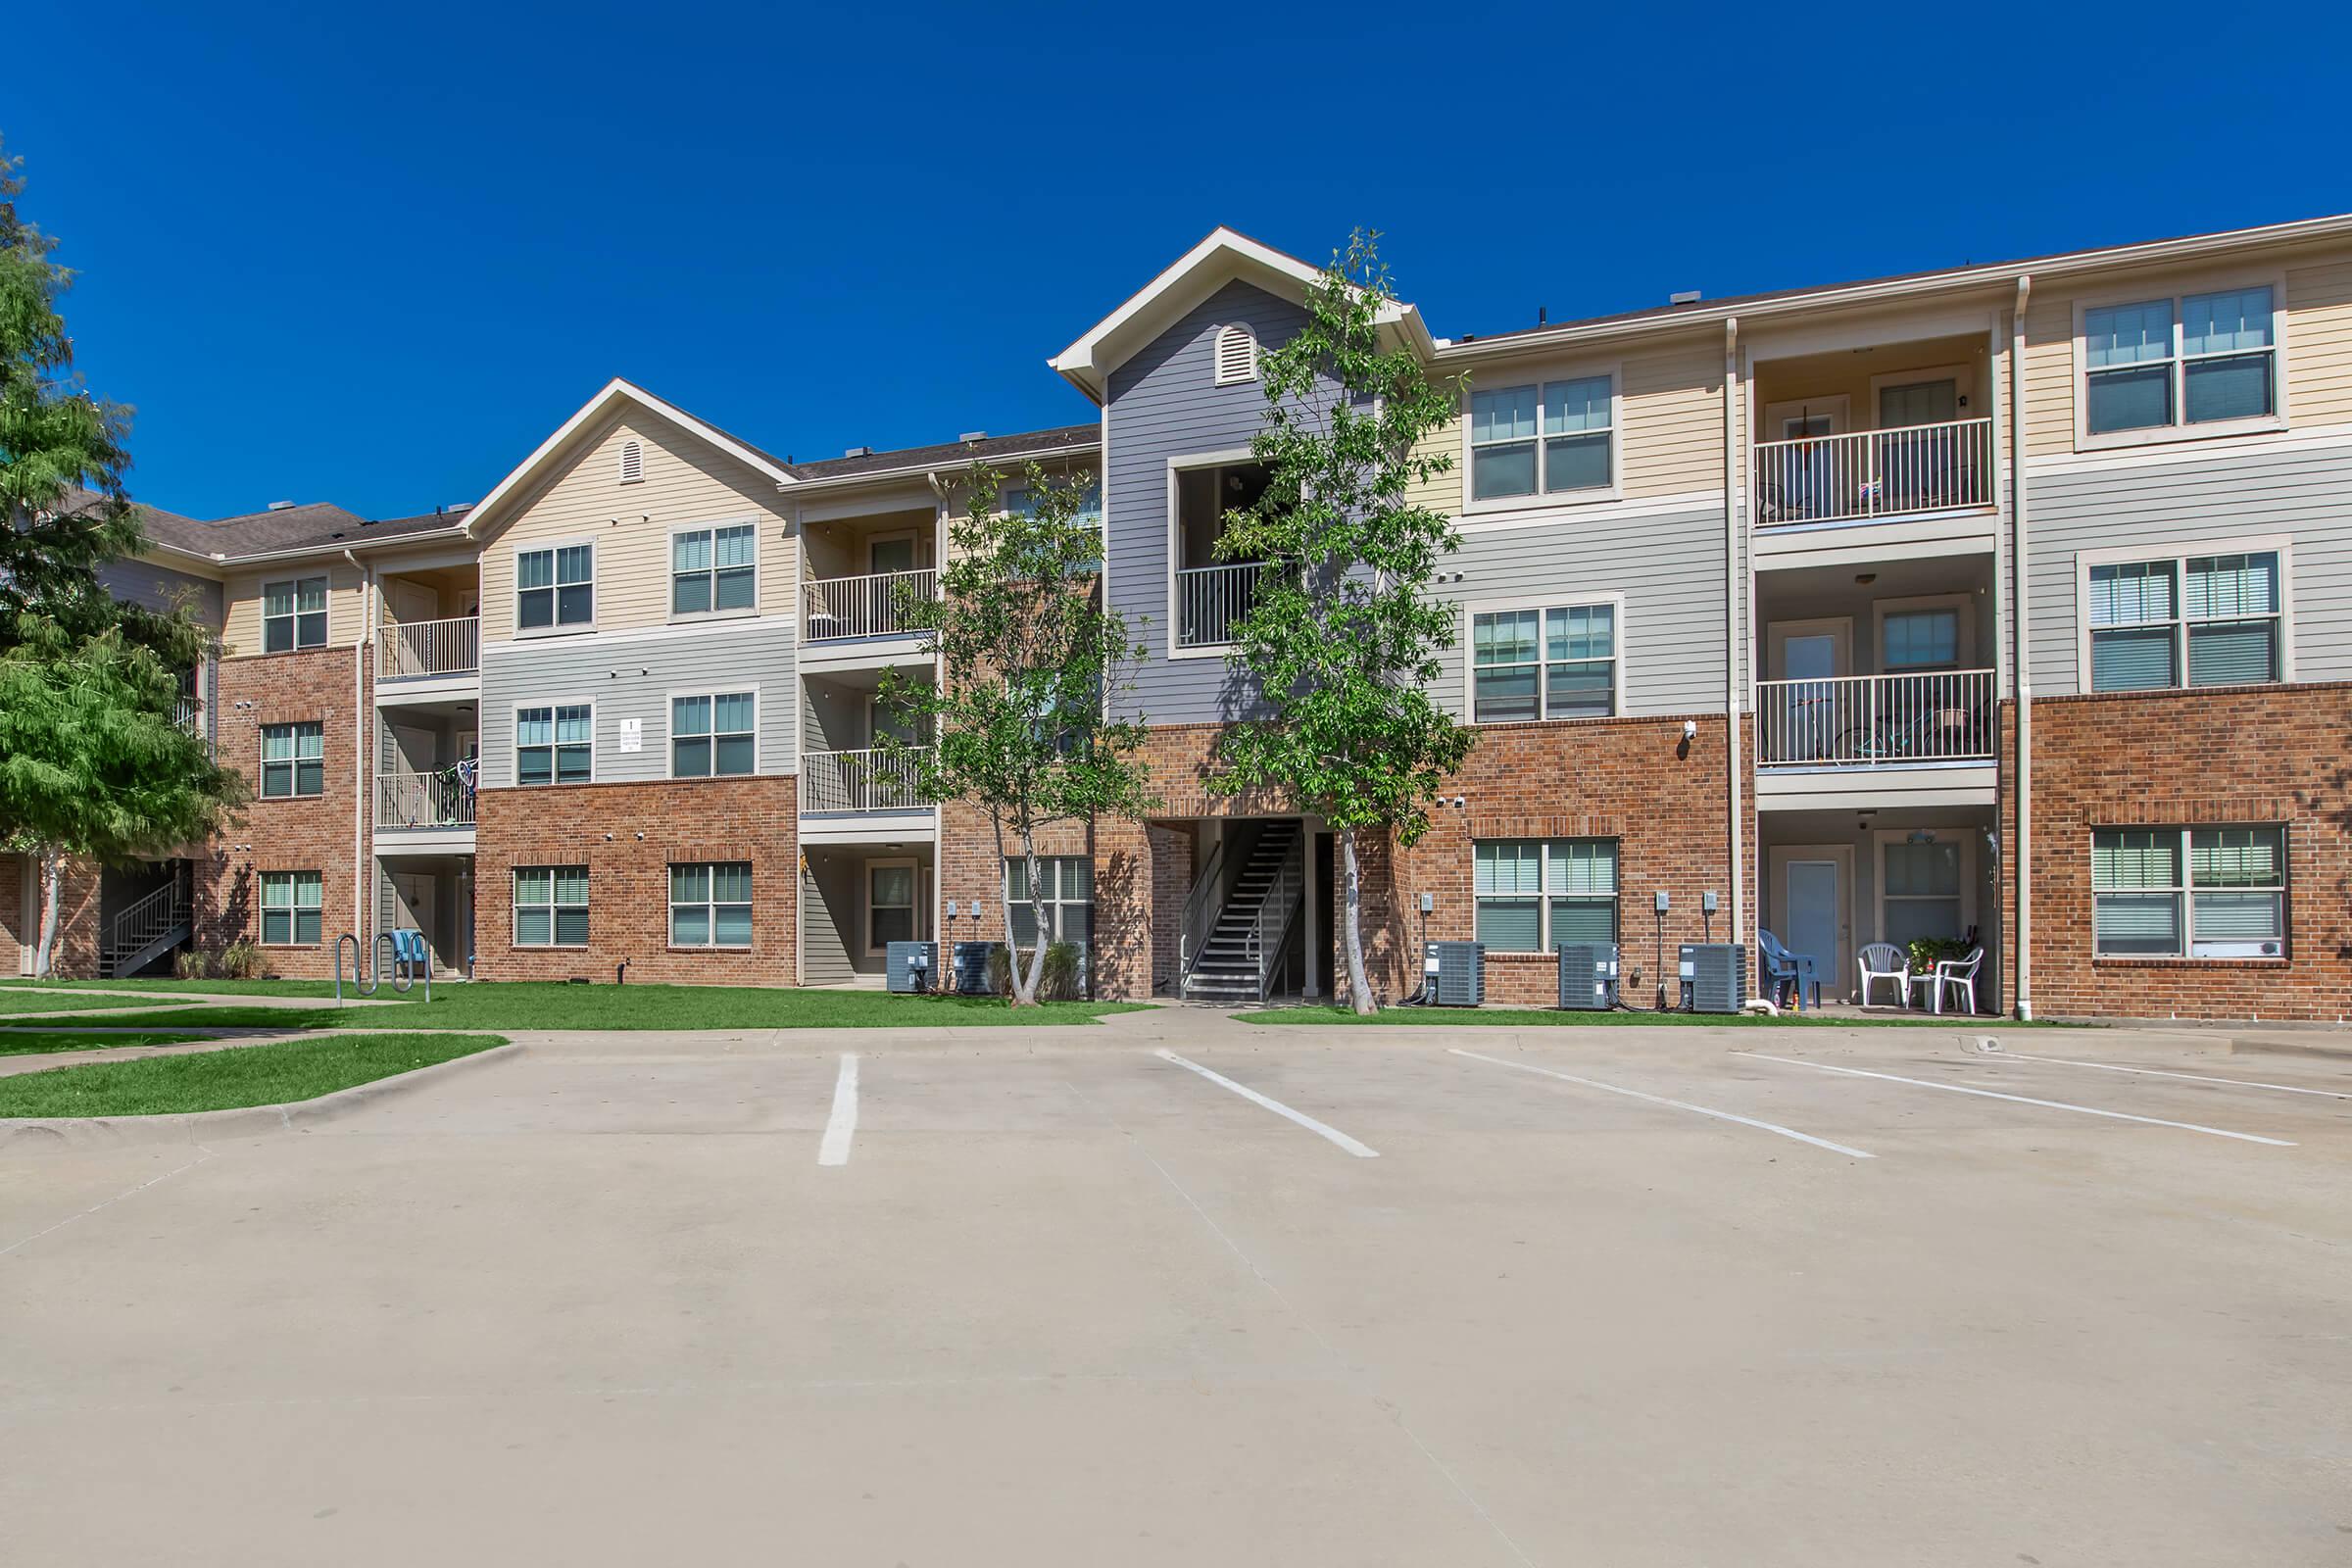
[242, 960]
[1060, 979]
[191, 964]
[1000, 969]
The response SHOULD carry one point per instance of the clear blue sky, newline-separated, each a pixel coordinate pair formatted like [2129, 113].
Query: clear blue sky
[331, 260]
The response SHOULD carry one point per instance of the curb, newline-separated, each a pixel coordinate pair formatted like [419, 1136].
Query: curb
[246, 1121]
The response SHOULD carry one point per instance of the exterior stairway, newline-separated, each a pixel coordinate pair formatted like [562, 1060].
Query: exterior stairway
[1234, 957]
[146, 931]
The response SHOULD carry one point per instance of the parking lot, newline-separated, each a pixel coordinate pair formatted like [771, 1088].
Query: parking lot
[1177, 1289]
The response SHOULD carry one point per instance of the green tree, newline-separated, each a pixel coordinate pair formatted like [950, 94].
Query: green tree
[1034, 662]
[1341, 637]
[94, 758]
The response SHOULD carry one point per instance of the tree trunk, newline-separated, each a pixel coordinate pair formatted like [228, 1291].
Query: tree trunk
[51, 877]
[1351, 924]
[1037, 925]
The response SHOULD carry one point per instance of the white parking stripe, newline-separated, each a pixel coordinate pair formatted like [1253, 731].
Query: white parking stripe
[1678, 1104]
[2192, 1077]
[1276, 1106]
[2022, 1100]
[842, 1125]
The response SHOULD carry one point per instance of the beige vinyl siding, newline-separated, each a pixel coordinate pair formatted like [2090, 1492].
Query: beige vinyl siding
[2318, 333]
[687, 484]
[346, 608]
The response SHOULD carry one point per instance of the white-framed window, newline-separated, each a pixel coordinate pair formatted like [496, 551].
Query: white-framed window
[2196, 892]
[555, 587]
[1921, 889]
[1547, 438]
[1544, 662]
[2186, 621]
[293, 761]
[712, 570]
[554, 745]
[715, 735]
[632, 462]
[1067, 890]
[893, 892]
[1237, 355]
[1921, 639]
[293, 615]
[711, 905]
[291, 901]
[2177, 361]
[1535, 894]
[551, 907]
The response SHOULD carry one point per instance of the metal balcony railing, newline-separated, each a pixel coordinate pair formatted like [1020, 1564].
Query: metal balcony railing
[1873, 473]
[863, 607]
[405, 801]
[411, 648]
[1876, 720]
[865, 780]
[1211, 601]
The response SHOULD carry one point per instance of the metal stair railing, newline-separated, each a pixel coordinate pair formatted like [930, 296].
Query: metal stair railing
[1200, 907]
[148, 921]
[1270, 930]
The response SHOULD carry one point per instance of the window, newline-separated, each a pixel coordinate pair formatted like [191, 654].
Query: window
[551, 907]
[2231, 904]
[1557, 662]
[2221, 613]
[710, 735]
[890, 904]
[1920, 894]
[711, 905]
[632, 462]
[1577, 420]
[554, 745]
[1919, 639]
[1067, 889]
[293, 761]
[290, 904]
[555, 587]
[2199, 359]
[1535, 894]
[713, 569]
[293, 615]
[1237, 355]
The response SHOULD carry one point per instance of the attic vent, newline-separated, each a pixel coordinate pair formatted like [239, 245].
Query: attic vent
[1237, 355]
[632, 462]
[970, 436]
[1687, 296]
[281, 506]
[857, 452]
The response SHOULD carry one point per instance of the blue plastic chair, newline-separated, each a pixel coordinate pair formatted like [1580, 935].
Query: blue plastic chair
[1783, 969]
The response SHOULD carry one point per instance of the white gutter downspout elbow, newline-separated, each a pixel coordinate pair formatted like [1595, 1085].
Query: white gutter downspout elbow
[2019, 660]
[1734, 593]
[362, 722]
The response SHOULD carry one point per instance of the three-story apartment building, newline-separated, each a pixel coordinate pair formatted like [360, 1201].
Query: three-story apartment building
[1998, 604]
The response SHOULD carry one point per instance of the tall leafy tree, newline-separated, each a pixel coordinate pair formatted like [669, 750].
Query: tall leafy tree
[1341, 636]
[94, 758]
[1034, 661]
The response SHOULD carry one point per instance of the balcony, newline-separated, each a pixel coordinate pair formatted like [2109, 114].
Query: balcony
[1867, 742]
[422, 650]
[876, 605]
[1874, 473]
[868, 779]
[413, 802]
[1211, 601]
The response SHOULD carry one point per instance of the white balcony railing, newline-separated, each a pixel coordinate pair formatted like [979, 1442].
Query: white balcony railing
[1873, 473]
[415, 801]
[863, 607]
[1876, 720]
[1211, 601]
[405, 649]
[861, 781]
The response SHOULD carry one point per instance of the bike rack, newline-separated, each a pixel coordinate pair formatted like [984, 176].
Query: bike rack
[404, 973]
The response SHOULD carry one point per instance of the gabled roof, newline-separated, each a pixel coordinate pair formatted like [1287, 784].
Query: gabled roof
[1061, 441]
[617, 393]
[1224, 257]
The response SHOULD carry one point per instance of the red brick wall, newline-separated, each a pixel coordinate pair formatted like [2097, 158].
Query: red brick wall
[627, 835]
[310, 834]
[77, 954]
[2180, 758]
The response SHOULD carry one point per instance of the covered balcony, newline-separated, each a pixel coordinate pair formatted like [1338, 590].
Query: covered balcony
[851, 787]
[428, 641]
[864, 580]
[424, 780]
[1211, 596]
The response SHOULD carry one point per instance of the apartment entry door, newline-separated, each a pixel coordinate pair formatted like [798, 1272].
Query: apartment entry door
[1814, 885]
[415, 892]
[890, 552]
[1809, 703]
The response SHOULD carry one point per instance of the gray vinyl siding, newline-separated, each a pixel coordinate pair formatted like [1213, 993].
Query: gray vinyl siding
[2301, 495]
[160, 588]
[1164, 404]
[634, 678]
[834, 717]
[1669, 567]
[833, 916]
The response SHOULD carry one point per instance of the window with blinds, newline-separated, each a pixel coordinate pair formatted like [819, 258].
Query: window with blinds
[1237, 355]
[551, 907]
[2194, 359]
[1552, 438]
[1554, 663]
[2203, 893]
[1533, 894]
[714, 569]
[711, 905]
[2192, 621]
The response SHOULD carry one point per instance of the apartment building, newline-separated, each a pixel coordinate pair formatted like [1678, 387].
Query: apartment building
[1999, 604]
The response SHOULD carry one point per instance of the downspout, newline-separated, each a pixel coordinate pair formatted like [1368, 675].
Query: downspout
[362, 722]
[2020, 654]
[1733, 594]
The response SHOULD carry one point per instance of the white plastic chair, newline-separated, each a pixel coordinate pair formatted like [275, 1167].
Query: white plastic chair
[1958, 973]
[1883, 960]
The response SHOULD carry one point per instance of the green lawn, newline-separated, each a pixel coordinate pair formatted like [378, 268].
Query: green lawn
[272, 1074]
[1547, 1017]
[35, 1042]
[224, 988]
[19, 1001]
[535, 1005]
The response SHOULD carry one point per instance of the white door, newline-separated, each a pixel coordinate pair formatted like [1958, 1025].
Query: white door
[1807, 710]
[1815, 910]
